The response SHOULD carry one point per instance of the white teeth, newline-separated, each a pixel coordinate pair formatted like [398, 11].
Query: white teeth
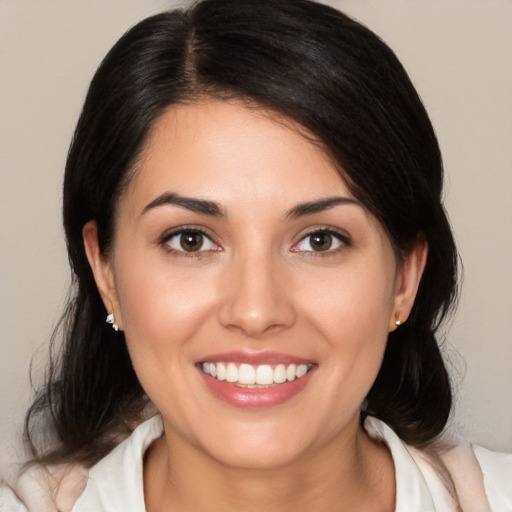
[246, 374]
[261, 375]
[221, 371]
[280, 374]
[265, 375]
[231, 373]
[290, 372]
[302, 369]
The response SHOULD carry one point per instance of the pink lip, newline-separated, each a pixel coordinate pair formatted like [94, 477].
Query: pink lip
[255, 358]
[255, 398]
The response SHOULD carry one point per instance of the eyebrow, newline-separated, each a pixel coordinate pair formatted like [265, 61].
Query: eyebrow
[211, 208]
[196, 205]
[319, 206]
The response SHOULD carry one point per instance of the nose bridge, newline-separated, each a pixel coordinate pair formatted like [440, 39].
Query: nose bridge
[255, 300]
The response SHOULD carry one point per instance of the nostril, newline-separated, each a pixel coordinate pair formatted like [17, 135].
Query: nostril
[254, 300]
[256, 322]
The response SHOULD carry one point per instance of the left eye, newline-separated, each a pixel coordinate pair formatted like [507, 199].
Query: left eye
[320, 241]
[190, 241]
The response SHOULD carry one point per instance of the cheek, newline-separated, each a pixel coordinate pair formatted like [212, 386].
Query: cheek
[359, 300]
[162, 310]
[351, 311]
[161, 307]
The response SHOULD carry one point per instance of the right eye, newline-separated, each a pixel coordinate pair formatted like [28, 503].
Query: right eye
[321, 241]
[189, 240]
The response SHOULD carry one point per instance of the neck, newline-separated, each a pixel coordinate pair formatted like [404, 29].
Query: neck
[347, 474]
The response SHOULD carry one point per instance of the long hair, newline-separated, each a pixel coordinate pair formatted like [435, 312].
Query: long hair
[335, 78]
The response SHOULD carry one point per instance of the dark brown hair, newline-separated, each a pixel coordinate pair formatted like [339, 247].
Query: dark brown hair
[311, 64]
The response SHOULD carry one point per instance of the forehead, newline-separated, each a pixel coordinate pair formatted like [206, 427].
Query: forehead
[223, 150]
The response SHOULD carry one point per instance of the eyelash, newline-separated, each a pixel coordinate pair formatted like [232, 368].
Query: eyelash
[343, 239]
[164, 242]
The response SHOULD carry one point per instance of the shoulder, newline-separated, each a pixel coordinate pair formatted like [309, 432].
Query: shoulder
[497, 473]
[464, 476]
[116, 482]
[8, 500]
[418, 485]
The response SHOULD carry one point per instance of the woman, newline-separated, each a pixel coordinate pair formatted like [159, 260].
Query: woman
[252, 202]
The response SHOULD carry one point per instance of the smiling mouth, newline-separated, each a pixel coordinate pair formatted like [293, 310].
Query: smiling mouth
[255, 376]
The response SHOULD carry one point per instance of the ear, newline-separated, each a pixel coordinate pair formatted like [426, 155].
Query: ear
[407, 282]
[102, 270]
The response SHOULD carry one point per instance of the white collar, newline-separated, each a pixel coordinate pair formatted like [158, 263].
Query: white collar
[110, 488]
[418, 485]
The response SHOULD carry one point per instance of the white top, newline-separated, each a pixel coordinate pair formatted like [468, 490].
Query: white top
[115, 484]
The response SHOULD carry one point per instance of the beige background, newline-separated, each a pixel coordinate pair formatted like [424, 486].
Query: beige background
[459, 55]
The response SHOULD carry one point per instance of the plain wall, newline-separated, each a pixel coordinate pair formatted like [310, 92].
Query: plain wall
[459, 55]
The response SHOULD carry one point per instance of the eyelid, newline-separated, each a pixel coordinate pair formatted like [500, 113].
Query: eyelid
[336, 233]
[168, 235]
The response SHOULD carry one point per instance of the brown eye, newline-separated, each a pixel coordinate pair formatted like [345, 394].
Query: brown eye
[321, 241]
[189, 240]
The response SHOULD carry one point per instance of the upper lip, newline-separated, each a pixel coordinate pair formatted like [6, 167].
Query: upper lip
[255, 358]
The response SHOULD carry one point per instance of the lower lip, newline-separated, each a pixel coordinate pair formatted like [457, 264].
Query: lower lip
[255, 398]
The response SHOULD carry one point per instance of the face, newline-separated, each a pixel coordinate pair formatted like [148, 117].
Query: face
[255, 293]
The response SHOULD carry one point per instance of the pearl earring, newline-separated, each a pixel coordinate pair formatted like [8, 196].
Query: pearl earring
[111, 320]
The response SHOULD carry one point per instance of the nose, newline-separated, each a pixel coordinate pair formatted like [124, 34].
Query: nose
[256, 299]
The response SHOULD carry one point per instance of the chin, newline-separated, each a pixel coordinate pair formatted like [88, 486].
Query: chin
[253, 446]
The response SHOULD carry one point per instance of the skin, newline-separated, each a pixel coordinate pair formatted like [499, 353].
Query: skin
[255, 285]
